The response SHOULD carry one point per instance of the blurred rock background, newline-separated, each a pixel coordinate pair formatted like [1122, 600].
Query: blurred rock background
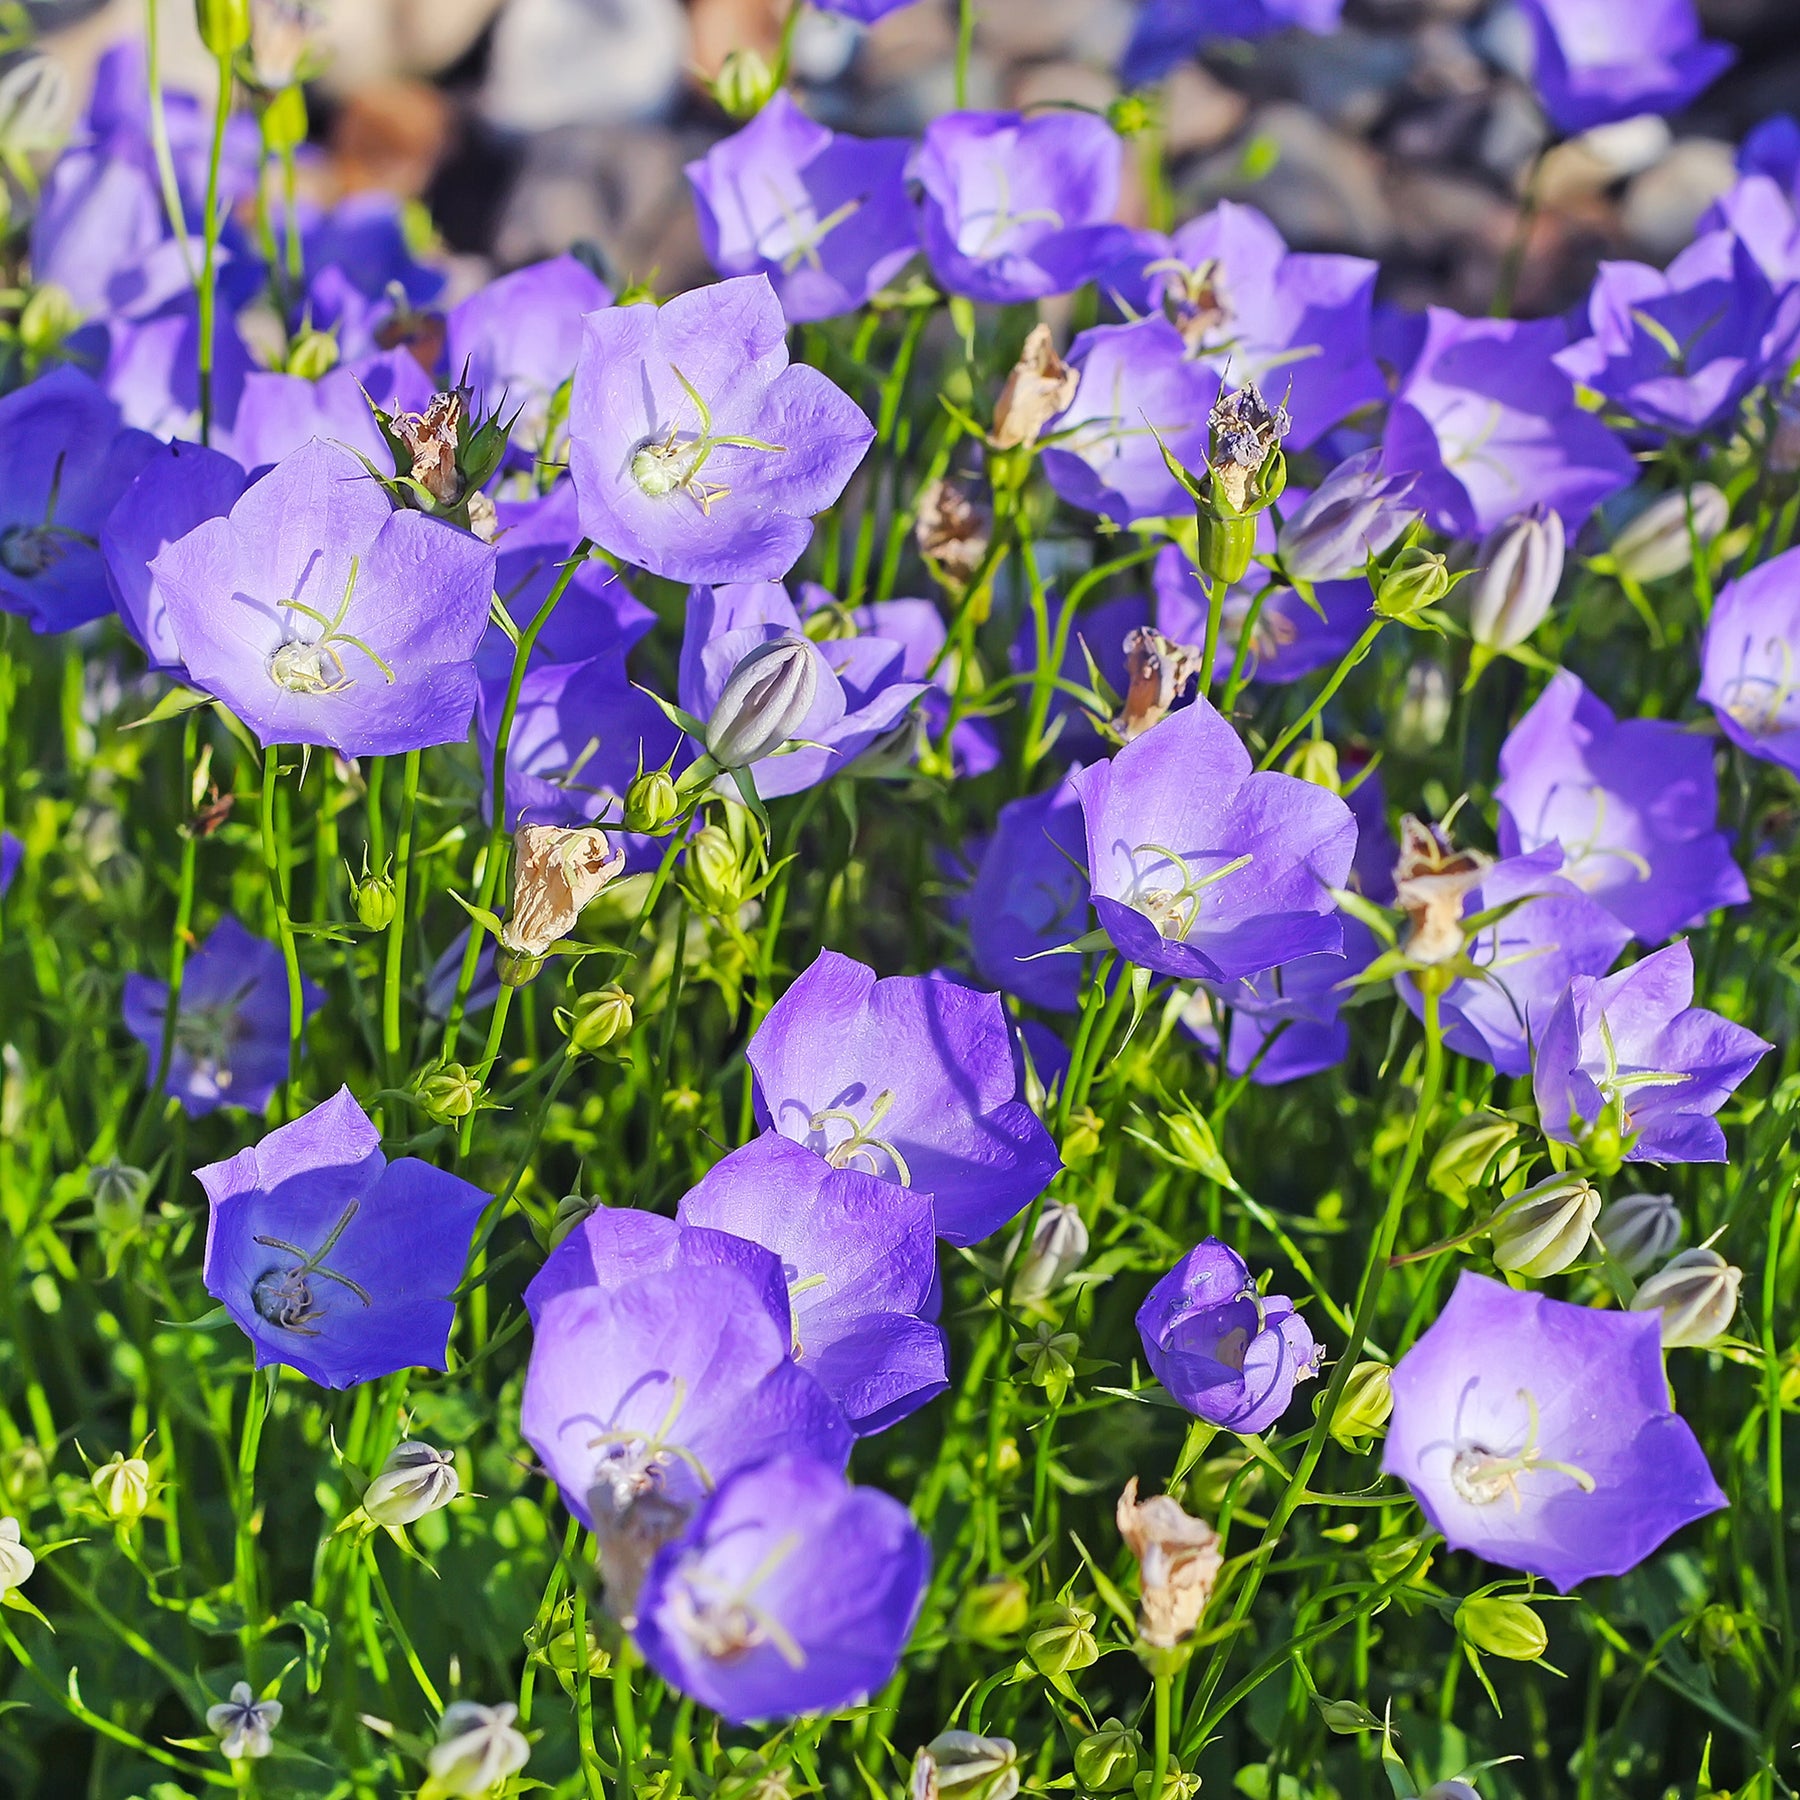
[526, 125]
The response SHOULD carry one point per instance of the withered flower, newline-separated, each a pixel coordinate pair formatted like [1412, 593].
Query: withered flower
[1160, 670]
[952, 529]
[1040, 386]
[430, 437]
[1430, 880]
[1179, 1559]
[559, 871]
[1245, 430]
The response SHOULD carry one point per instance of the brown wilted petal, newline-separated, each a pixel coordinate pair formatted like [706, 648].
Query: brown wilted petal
[952, 529]
[559, 871]
[1244, 429]
[1040, 386]
[1160, 670]
[484, 517]
[430, 438]
[1179, 1559]
[1430, 880]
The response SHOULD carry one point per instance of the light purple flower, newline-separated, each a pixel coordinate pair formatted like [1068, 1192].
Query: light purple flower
[1357, 511]
[1492, 426]
[12, 854]
[860, 1262]
[1748, 661]
[824, 215]
[149, 366]
[1540, 1436]
[1759, 211]
[321, 615]
[1169, 31]
[911, 1078]
[791, 1592]
[698, 452]
[231, 1029]
[333, 1260]
[1633, 805]
[1633, 1050]
[918, 628]
[361, 271]
[280, 414]
[1229, 1354]
[1202, 869]
[1602, 60]
[864, 12]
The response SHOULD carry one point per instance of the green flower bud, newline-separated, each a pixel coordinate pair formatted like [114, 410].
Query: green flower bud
[1363, 1407]
[1131, 115]
[24, 1471]
[1639, 1230]
[1541, 1231]
[224, 25]
[1108, 1759]
[1501, 1627]
[284, 121]
[16, 1562]
[312, 354]
[516, 968]
[651, 801]
[447, 1093]
[994, 1609]
[1064, 1642]
[571, 1210]
[48, 316]
[1226, 546]
[960, 1765]
[1176, 1786]
[1049, 1359]
[123, 1485]
[1391, 1556]
[1316, 760]
[1719, 1634]
[1480, 1148]
[372, 900]
[596, 1019]
[1697, 1295]
[415, 1480]
[715, 877]
[1415, 579]
[744, 85]
[117, 1192]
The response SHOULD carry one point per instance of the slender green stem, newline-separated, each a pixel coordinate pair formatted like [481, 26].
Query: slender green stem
[397, 926]
[584, 1691]
[278, 900]
[1209, 645]
[256, 1411]
[1160, 1767]
[1322, 699]
[209, 272]
[965, 45]
[402, 1637]
[159, 135]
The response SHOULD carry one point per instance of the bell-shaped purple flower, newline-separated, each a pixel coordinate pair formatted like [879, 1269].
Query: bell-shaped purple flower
[1202, 869]
[1539, 1434]
[698, 452]
[1603, 60]
[910, 1078]
[791, 1592]
[148, 364]
[321, 615]
[1018, 208]
[1168, 32]
[333, 1260]
[1632, 1052]
[1492, 426]
[824, 215]
[361, 271]
[231, 1029]
[1229, 1354]
[1749, 657]
[1357, 511]
[861, 1267]
[1634, 806]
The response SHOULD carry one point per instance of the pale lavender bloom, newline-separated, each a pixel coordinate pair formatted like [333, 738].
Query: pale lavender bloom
[1358, 511]
[1760, 212]
[1539, 1434]
[661, 392]
[1748, 660]
[911, 1078]
[791, 1592]
[333, 1260]
[865, 12]
[1169, 31]
[280, 414]
[1633, 1051]
[149, 366]
[321, 615]
[825, 216]
[360, 272]
[231, 1028]
[1634, 806]
[1603, 60]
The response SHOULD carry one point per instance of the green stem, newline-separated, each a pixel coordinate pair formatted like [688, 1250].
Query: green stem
[278, 899]
[402, 1637]
[965, 44]
[1160, 1769]
[209, 283]
[159, 136]
[1209, 646]
[397, 926]
[1322, 699]
[256, 1410]
[584, 1691]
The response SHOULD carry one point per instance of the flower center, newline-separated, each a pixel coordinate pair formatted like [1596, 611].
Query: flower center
[317, 667]
[661, 468]
[725, 1623]
[284, 1295]
[862, 1142]
[1482, 1476]
[29, 550]
[672, 464]
[1173, 908]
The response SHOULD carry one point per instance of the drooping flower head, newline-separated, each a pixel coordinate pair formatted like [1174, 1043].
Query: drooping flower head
[1749, 659]
[791, 1592]
[1539, 1434]
[333, 1260]
[910, 1078]
[1601, 60]
[697, 451]
[321, 615]
[231, 1030]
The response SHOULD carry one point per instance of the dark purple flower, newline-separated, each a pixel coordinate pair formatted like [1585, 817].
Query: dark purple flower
[918, 628]
[864, 12]
[1602, 60]
[1019, 208]
[1773, 149]
[1748, 659]
[12, 854]
[231, 1030]
[698, 451]
[1634, 806]
[279, 414]
[860, 1262]
[1631, 1051]
[791, 1592]
[1539, 1434]
[1202, 869]
[825, 216]
[179, 488]
[321, 615]
[361, 272]
[333, 1260]
[1229, 1354]
[911, 1078]
[1492, 426]
[1169, 31]
[64, 462]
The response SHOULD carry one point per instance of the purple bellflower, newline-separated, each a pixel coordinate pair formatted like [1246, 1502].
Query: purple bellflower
[333, 1260]
[1634, 805]
[911, 1078]
[1492, 425]
[231, 1028]
[1357, 511]
[12, 854]
[1202, 869]
[1633, 1053]
[1760, 212]
[321, 615]
[1168, 32]
[362, 273]
[864, 12]
[791, 1592]
[698, 451]
[1748, 661]
[280, 414]
[825, 216]
[918, 628]
[1018, 208]
[1229, 1354]
[149, 367]
[1603, 60]
[860, 1262]
[64, 462]
[1539, 1434]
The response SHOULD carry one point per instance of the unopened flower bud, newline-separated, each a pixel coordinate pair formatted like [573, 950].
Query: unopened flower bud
[651, 801]
[1039, 386]
[596, 1019]
[312, 354]
[24, 1471]
[1178, 1563]
[1107, 1760]
[224, 25]
[763, 701]
[1049, 1359]
[284, 120]
[478, 1747]
[1656, 544]
[1357, 512]
[1364, 1406]
[415, 1480]
[1416, 579]
[117, 1192]
[1521, 566]
[1478, 1149]
[1057, 1246]
[1423, 714]
[1541, 1231]
[1315, 760]
[1451, 1790]
[560, 869]
[571, 1210]
[123, 1486]
[1697, 1295]
[960, 1765]
[372, 900]
[994, 1609]
[1502, 1627]
[714, 872]
[16, 1562]
[1640, 1229]
[1064, 1642]
[447, 1093]
[744, 84]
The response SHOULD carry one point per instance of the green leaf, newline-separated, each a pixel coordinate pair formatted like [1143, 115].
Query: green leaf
[172, 705]
[316, 1629]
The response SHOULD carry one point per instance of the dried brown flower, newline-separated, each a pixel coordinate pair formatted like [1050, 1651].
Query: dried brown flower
[1040, 386]
[1430, 880]
[952, 529]
[559, 871]
[1179, 1559]
[1160, 670]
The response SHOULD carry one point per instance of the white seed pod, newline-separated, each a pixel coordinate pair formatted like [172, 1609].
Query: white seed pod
[1656, 543]
[415, 1480]
[1054, 1253]
[1640, 1230]
[1543, 1230]
[1697, 1295]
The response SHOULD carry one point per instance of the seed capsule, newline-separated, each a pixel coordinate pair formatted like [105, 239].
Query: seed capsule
[1065, 1642]
[1543, 1230]
[1501, 1627]
[1364, 1406]
[123, 1485]
[1107, 1760]
[597, 1019]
